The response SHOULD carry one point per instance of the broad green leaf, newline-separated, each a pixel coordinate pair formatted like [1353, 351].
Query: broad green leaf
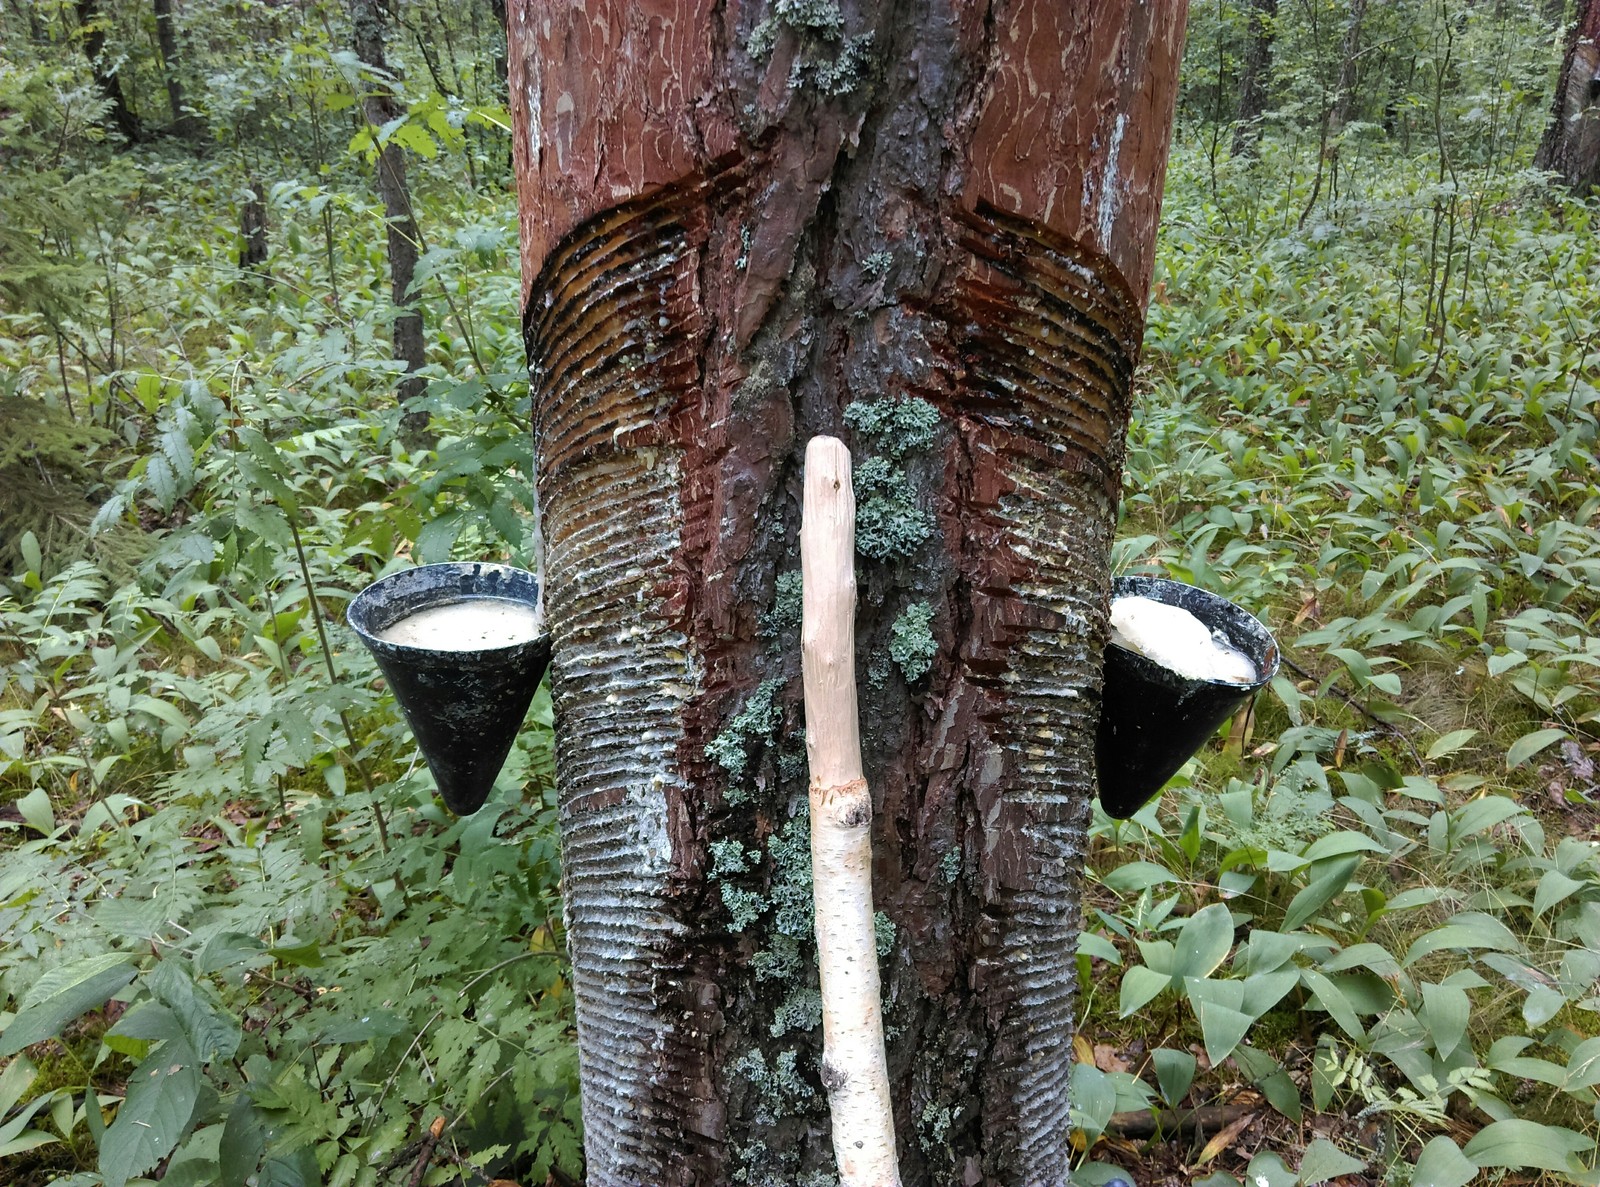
[37, 812]
[1328, 879]
[1370, 956]
[1464, 932]
[1442, 1164]
[1528, 745]
[1519, 1144]
[211, 1029]
[226, 949]
[1542, 1004]
[1093, 1099]
[162, 1092]
[1096, 945]
[1480, 814]
[1323, 1161]
[1139, 986]
[1339, 844]
[1446, 1010]
[306, 956]
[1136, 876]
[1329, 997]
[16, 1125]
[1267, 1074]
[1219, 1006]
[15, 1080]
[1583, 1066]
[1554, 887]
[63, 994]
[1174, 1073]
[1450, 743]
[1267, 1169]
[1267, 951]
[1263, 991]
[1203, 942]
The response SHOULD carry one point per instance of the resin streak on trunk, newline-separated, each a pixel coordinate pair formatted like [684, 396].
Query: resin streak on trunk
[613, 346]
[725, 252]
[1047, 336]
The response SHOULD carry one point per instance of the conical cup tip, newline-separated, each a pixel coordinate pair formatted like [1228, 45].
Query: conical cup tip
[464, 699]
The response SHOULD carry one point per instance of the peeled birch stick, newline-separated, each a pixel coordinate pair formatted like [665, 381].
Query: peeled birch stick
[854, 1070]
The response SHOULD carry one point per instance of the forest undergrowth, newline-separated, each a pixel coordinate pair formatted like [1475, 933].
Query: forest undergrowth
[1357, 939]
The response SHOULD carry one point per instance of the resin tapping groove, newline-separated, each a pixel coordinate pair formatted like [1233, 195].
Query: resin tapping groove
[614, 341]
[1045, 338]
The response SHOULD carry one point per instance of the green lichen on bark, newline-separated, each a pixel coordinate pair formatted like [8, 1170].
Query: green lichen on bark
[756, 721]
[894, 427]
[783, 618]
[911, 642]
[884, 932]
[801, 1010]
[778, 1084]
[790, 850]
[889, 523]
[781, 961]
[826, 60]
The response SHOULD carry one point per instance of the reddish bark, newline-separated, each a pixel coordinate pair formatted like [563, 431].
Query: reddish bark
[723, 249]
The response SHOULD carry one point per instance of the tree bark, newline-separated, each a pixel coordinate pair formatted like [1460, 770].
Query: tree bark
[925, 226]
[105, 79]
[1344, 88]
[1255, 81]
[1571, 145]
[253, 237]
[380, 106]
[183, 122]
[498, 9]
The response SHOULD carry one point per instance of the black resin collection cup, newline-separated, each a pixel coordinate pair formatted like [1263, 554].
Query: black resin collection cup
[1152, 719]
[464, 706]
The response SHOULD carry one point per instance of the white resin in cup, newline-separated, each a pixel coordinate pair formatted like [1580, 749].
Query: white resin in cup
[477, 624]
[1178, 641]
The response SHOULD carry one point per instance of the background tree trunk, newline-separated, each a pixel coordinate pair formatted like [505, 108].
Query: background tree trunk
[380, 106]
[928, 227]
[1256, 79]
[183, 122]
[105, 79]
[1344, 88]
[1571, 144]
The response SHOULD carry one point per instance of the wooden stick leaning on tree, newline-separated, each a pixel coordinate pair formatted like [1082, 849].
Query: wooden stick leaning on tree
[854, 1070]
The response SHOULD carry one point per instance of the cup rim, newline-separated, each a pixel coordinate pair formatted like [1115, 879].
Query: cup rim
[356, 614]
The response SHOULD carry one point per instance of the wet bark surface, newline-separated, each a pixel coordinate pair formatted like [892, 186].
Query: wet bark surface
[1571, 144]
[925, 227]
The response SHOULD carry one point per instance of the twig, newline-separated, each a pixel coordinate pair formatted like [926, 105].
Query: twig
[854, 1069]
[1147, 1123]
[425, 1156]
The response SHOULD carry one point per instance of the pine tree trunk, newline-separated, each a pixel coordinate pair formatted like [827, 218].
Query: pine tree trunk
[926, 227]
[1571, 145]
[1256, 79]
[91, 23]
[379, 107]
